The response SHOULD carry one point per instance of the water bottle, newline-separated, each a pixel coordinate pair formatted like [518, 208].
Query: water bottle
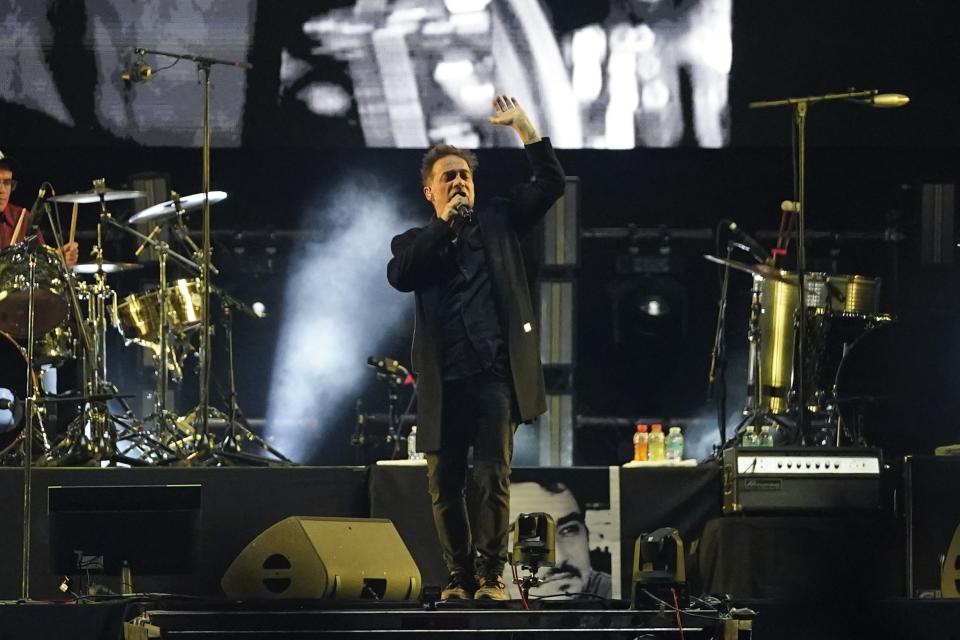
[412, 453]
[750, 438]
[766, 436]
[674, 448]
[640, 443]
[655, 443]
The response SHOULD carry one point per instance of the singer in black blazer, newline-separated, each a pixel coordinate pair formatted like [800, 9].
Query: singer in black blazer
[503, 222]
[478, 368]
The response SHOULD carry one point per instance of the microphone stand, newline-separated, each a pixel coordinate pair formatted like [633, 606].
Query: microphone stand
[204, 65]
[800, 106]
[718, 356]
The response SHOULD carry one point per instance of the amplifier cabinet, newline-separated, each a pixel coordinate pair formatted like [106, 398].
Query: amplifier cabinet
[800, 479]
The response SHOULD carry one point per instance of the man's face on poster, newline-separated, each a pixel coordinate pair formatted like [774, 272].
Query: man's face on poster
[572, 568]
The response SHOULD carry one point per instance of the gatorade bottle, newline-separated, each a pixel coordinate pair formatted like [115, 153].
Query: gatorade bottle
[640, 443]
[674, 444]
[766, 437]
[655, 443]
[750, 438]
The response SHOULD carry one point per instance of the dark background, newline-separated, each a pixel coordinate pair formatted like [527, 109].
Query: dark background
[864, 169]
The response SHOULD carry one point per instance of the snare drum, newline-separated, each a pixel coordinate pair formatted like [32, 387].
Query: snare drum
[50, 294]
[138, 316]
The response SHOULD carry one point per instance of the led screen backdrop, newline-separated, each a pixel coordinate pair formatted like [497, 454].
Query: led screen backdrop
[406, 73]
[596, 74]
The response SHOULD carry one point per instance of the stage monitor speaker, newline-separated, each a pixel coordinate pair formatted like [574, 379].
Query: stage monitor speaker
[324, 558]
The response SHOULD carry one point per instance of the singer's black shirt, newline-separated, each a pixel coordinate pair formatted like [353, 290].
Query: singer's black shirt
[472, 337]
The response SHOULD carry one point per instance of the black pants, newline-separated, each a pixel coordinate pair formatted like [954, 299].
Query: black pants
[476, 412]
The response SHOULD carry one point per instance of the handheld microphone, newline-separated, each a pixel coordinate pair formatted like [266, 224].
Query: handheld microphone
[742, 239]
[140, 72]
[7, 404]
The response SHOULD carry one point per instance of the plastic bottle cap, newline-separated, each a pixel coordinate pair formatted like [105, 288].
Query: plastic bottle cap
[674, 429]
[642, 428]
[658, 427]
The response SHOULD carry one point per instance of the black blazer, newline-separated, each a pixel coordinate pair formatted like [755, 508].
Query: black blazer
[415, 266]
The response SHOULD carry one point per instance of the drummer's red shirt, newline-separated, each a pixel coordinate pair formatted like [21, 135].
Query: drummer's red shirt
[12, 213]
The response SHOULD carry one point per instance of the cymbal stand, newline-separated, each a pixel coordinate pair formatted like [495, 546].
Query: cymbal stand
[166, 421]
[96, 433]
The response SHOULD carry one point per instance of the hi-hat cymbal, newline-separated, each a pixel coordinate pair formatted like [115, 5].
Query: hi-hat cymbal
[762, 270]
[91, 268]
[88, 197]
[166, 210]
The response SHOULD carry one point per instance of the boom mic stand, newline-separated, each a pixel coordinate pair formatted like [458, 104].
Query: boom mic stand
[204, 65]
[717, 377]
[800, 106]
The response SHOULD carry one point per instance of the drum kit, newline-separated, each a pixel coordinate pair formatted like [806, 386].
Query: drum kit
[840, 310]
[52, 315]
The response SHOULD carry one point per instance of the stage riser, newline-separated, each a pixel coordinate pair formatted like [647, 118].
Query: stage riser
[238, 504]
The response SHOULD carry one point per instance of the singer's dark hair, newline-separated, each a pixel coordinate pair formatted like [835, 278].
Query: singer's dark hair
[442, 151]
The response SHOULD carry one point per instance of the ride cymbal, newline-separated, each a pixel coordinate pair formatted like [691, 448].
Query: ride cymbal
[762, 270]
[109, 195]
[91, 268]
[167, 210]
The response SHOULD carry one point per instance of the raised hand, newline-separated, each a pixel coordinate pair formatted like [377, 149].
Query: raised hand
[508, 112]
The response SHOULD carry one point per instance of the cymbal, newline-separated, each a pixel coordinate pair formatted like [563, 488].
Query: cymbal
[109, 195]
[166, 210]
[762, 270]
[91, 268]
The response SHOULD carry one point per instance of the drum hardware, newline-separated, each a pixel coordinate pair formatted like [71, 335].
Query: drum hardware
[138, 322]
[95, 435]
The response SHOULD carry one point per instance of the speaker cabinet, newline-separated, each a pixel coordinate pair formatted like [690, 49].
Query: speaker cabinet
[324, 558]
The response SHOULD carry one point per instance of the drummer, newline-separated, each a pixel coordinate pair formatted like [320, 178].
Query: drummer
[11, 214]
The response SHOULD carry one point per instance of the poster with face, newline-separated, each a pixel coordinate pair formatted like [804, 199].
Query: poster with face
[587, 530]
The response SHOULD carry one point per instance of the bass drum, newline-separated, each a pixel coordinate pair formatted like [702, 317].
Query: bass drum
[898, 389]
[13, 386]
